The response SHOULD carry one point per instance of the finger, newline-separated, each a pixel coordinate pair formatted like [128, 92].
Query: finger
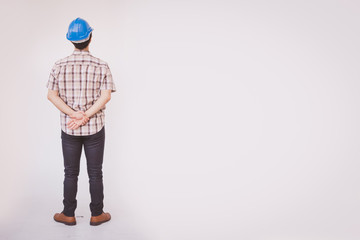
[72, 124]
[82, 120]
[79, 123]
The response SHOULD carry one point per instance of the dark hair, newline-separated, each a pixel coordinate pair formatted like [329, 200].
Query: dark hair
[83, 44]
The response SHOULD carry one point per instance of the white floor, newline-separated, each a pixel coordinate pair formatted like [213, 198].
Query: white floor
[41, 226]
[35, 221]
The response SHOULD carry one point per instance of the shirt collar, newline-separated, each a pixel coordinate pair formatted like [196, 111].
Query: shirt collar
[81, 52]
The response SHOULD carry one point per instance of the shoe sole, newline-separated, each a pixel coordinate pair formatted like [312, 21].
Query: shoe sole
[98, 223]
[66, 223]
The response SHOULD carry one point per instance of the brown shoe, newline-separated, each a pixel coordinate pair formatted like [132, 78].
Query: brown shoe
[97, 220]
[60, 217]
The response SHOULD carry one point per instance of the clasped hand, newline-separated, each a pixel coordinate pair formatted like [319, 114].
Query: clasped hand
[77, 119]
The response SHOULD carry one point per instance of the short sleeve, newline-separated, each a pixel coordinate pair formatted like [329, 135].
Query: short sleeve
[107, 82]
[53, 83]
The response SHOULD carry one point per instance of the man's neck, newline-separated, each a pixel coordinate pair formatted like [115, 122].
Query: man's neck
[85, 49]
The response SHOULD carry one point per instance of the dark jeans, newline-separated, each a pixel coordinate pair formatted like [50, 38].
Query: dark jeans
[94, 152]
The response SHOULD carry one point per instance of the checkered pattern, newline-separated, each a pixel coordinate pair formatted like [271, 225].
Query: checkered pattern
[79, 79]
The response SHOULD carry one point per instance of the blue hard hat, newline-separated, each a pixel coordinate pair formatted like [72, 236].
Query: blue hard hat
[79, 31]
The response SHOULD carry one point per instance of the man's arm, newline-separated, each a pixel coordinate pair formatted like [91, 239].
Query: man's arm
[105, 96]
[53, 96]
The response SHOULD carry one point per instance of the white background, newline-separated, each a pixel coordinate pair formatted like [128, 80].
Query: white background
[231, 120]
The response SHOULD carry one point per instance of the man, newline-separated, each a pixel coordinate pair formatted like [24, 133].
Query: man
[79, 86]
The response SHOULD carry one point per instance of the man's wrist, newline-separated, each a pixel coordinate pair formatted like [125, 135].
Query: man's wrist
[71, 115]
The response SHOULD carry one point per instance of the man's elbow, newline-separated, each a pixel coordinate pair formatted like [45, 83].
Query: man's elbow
[107, 97]
[51, 97]
[52, 94]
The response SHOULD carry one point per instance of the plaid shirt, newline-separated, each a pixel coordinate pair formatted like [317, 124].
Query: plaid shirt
[79, 79]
